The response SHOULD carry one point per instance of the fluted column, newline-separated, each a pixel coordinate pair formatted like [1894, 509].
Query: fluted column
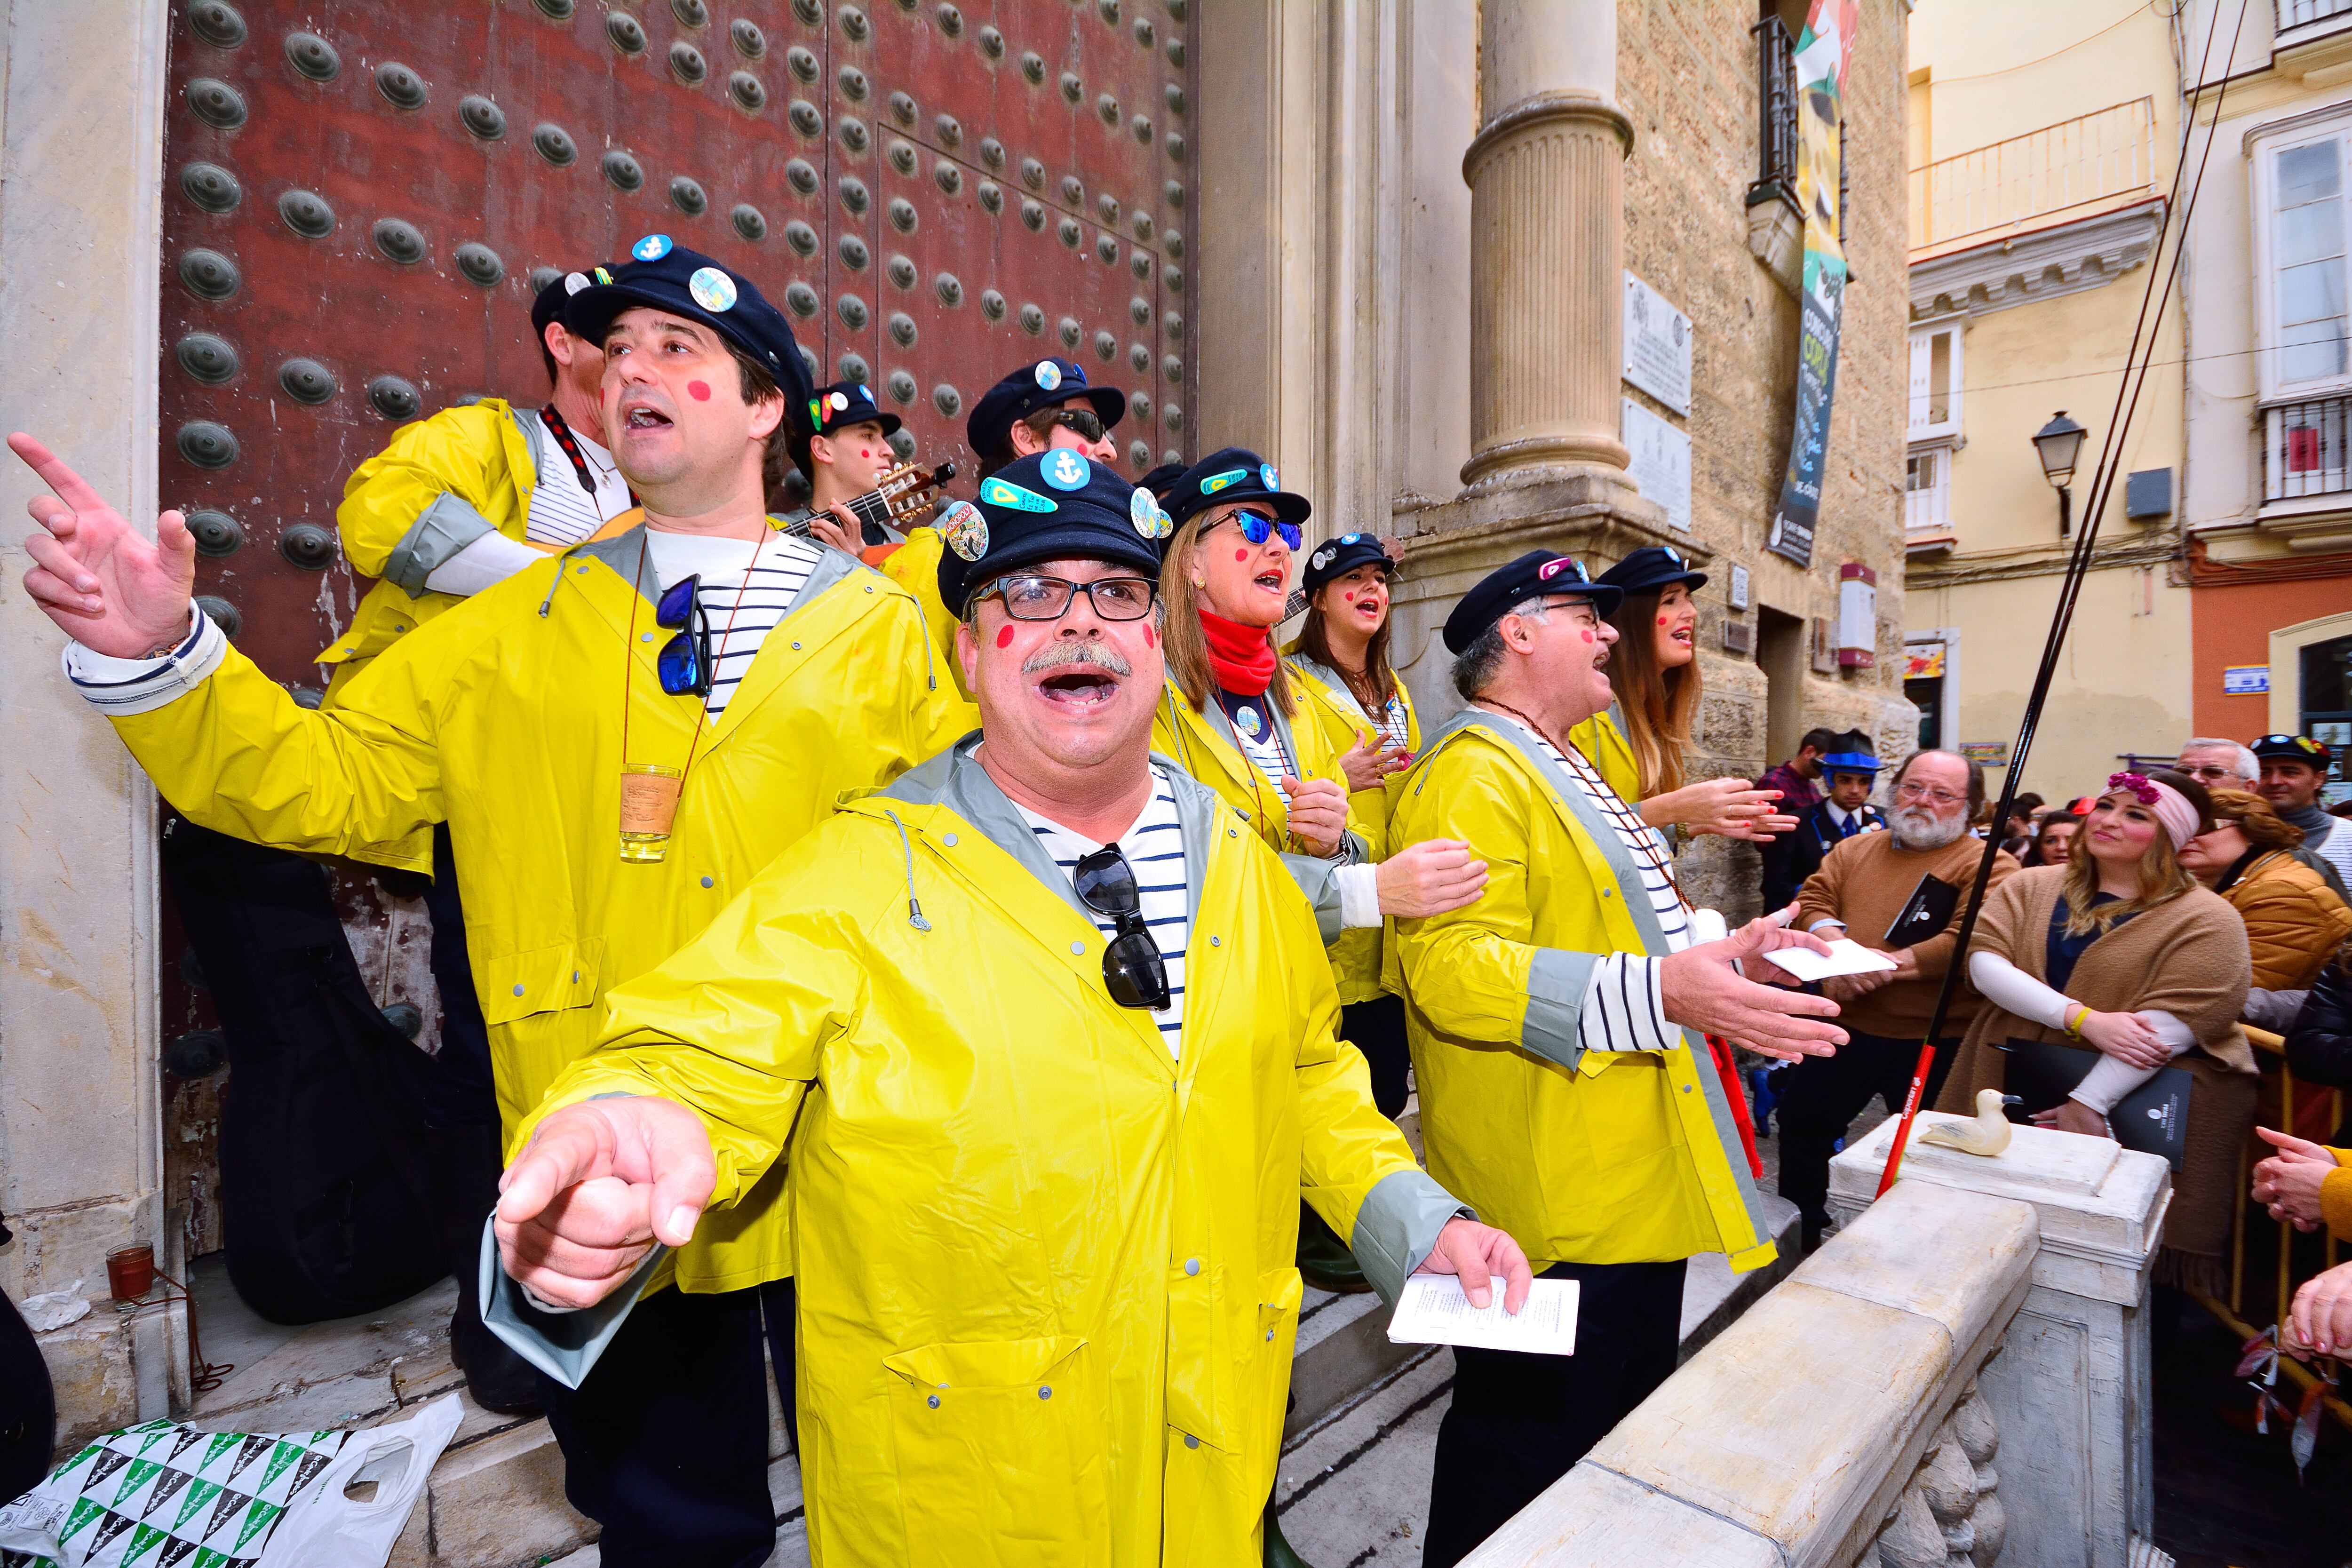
[1548, 240]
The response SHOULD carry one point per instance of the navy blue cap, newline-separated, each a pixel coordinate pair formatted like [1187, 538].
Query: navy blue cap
[2293, 749]
[688, 283]
[549, 304]
[1233, 474]
[1048, 506]
[843, 403]
[1652, 569]
[1539, 572]
[1338, 557]
[1042, 384]
[1160, 478]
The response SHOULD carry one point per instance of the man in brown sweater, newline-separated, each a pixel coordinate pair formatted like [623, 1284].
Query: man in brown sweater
[1896, 892]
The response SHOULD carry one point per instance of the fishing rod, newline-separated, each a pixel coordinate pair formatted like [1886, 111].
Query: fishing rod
[2159, 289]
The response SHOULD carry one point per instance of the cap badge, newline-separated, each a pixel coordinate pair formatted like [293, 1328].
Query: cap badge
[1267, 477]
[1349, 538]
[711, 288]
[997, 492]
[603, 277]
[1671, 553]
[966, 531]
[816, 412]
[1216, 482]
[866, 391]
[1322, 557]
[652, 247]
[1164, 526]
[840, 401]
[1559, 566]
[1144, 512]
[1065, 470]
[1049, 374]
[575, 281]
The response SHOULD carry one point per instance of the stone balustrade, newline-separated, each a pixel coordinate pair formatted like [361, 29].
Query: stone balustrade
[1958, 1378]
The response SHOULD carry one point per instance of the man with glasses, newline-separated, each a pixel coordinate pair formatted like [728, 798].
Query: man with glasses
[618, 737]
[1896, 892]
[1852, 770]
[1053, 1083]
[1555, 1026]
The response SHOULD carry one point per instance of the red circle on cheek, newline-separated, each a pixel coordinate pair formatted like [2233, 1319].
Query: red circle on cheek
[1351, 599]
[1149, 640]
[1662, 620]
[1241, 555]
[1588, 636]
[865, 452]
[1004, 637]
[699, 390]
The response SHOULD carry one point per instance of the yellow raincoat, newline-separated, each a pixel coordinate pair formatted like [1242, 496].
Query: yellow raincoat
[442, 483]
[1205, 747]
[1604, 745]
[503, 717]
[1047, 1296]
[1328, 702]
[915, 566]
[1600, 1157]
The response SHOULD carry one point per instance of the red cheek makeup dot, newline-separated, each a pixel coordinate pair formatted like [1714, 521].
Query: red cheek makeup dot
[700, 390]
[1004, 637]
[1588, 636]
[865, 452]
[1662, 620]
[1241, 555]
[1149, 640]
[1351, 599]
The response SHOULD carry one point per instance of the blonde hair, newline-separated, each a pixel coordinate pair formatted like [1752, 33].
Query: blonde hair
[1184, 643]
[2159, 873]
[1659, 703]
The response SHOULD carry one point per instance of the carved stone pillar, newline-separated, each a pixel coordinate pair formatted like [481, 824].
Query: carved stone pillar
[1548, 241]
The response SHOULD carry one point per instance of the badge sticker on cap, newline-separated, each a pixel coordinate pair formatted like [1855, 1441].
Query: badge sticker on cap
[712, 289]
[996, 492]
[1065, 470]
[1563, 566]
[652, 247]
[603, 277]
[841, 401]
[1144, 512]
[1049, 374]
[1216, 482]
[866, 391]
[816, 413]
[966, 531]
[1267, 475]
[575, 281]
[1322, 557]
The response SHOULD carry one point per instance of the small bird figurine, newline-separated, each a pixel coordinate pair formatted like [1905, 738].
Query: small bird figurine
[1987, 1135]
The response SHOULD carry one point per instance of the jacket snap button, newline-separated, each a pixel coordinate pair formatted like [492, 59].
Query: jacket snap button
[933, 1402]
[1078, 947]
[1192, 1266]
[1233, 833]
[575, 977]
[870, 587]
[517, 990]
[1269, 1334]
[1191, 1441]
[1606, 892]
[1216, 942]
[645, 636]
[583, 566]
[951, 839]
[706, 881]
[1686, 1088]
[796, 647]
[1045, 1394]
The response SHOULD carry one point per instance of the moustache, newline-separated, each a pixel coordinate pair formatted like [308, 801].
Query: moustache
[1056, 655]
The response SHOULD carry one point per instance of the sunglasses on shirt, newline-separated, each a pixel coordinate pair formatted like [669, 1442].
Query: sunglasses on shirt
[1256, 527]
[1133, 971]
[684, 662]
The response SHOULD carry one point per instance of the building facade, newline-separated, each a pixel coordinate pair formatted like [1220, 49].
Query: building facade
[2043, 141]
[1393, 245]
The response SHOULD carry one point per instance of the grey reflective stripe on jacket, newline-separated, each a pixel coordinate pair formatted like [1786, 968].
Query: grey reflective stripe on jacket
[442, 529]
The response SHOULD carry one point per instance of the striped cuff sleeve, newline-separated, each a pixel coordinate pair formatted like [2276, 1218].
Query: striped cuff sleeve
[119, 688]
[1623, 1009]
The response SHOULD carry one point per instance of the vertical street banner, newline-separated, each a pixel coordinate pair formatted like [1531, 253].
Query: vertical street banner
[1823, 51]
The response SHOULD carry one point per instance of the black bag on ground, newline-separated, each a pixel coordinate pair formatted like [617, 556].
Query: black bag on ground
[28, 1411]
[326, 1203]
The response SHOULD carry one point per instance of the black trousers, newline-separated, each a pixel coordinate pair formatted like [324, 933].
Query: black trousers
[1821, 1096]
[665, 1442]
[1518, 1423]
[459, 1091]
[1377, 1028]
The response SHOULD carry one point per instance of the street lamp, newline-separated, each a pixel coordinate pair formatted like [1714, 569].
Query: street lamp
[2057, 445]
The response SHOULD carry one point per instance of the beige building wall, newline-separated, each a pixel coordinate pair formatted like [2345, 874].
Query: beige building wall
[2052, 133]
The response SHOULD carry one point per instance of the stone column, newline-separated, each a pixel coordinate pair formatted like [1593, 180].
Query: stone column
[1548, 241]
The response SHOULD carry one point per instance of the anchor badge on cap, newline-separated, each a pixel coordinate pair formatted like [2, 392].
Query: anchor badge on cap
[652, 247]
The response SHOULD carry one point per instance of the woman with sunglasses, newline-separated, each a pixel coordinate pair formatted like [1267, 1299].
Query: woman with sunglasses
[1639, 743]
[1342, 658]
[2119, 954]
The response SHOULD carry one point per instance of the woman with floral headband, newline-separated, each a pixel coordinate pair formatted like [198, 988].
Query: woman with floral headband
[2120, 952]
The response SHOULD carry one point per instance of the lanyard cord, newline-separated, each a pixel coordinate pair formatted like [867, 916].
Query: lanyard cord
[570, 444]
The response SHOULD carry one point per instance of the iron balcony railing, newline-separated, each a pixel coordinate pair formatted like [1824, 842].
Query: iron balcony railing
[1777, 150]
[2303, 13]
[2303, 448]
[2108, 155]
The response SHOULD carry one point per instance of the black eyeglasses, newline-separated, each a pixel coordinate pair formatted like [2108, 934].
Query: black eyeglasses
[1085, 421]
[1048, 598]
[684, 662]
[1132, 970]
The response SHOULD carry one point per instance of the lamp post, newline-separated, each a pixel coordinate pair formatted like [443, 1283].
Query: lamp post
[2057, 445]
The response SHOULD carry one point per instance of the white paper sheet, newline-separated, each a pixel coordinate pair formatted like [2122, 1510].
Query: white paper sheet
[1847, 956]
[1433, 1311]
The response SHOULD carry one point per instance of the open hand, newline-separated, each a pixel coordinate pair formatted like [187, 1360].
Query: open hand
[109, 587]
[1429, 878]
[1318, 814]
[1703, 992]
[1728, 807]
[1475, 1254]
[1370, 759]
[2125, 1038]
[2074, 1116]
[597, 1185]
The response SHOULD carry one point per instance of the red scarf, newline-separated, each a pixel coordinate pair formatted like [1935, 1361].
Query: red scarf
[1242, 655]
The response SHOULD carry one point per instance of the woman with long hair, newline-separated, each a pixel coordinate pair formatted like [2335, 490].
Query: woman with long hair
[1639, 743]
[2053, 836]
[2294, 922]
[2120, 955]
[1342, 657]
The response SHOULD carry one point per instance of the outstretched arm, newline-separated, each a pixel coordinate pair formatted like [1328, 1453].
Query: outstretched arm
[109, 587]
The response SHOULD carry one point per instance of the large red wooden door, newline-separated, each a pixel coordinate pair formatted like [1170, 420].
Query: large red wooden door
[361, 199]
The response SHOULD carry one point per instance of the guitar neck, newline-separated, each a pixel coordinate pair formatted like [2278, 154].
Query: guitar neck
[869, 509]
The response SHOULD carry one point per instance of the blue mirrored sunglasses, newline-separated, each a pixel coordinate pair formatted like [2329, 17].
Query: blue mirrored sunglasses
[1256, 526]
[684, 661]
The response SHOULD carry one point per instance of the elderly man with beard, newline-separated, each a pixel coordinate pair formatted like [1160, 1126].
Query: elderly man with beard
[1896, 892]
